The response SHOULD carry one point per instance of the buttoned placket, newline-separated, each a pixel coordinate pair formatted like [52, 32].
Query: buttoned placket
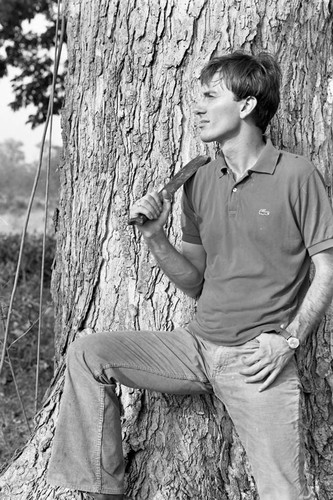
[235, 191]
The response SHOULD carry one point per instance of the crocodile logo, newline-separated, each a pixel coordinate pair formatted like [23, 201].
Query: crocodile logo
[263, 211]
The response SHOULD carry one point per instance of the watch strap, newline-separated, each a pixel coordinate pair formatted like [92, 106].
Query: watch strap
[284, 333]
[292, 341]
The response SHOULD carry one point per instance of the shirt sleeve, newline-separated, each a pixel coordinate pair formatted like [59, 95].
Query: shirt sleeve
[315, 214]
[189, 221]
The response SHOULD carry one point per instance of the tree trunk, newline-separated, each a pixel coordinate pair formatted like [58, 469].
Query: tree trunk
[128, 126]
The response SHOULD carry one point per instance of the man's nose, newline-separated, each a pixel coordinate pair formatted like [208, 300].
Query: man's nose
[199, 108]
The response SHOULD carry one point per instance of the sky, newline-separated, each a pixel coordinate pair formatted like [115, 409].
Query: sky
[13, 124]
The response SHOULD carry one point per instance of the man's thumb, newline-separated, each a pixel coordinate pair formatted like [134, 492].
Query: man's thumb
[166, 196]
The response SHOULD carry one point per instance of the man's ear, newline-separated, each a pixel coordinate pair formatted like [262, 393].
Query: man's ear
[247, 106]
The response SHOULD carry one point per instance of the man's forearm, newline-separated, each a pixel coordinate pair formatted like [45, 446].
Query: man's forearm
[315, 304]
[176, 266]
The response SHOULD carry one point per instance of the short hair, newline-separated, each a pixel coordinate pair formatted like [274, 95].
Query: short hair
[248, 75]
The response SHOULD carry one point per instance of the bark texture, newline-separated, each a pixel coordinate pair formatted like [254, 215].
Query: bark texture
[128, 126]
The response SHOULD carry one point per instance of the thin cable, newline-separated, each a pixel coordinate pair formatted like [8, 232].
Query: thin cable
[15, 381]
[18, 392]
[23, 334]
[32, 196]
[47, 183]
[24, 231]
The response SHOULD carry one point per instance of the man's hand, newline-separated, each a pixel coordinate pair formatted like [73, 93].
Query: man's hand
[156, 208]
[268, 361]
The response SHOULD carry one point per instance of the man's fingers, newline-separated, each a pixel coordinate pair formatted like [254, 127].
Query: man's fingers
[269, 380]
[150, 205]
[252, 359]
[257, 376]
[156, 198]
[252, 369]
[152, 201]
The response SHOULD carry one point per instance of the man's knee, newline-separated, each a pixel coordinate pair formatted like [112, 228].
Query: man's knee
[89, 351]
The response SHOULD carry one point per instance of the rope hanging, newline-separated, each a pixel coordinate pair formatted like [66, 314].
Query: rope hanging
[51, 102]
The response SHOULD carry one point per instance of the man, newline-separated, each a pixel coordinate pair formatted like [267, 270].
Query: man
[252, 221]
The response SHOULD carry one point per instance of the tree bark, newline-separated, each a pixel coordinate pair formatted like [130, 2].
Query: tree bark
[128, 126]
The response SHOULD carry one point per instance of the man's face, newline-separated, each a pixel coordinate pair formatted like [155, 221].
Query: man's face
[218, 112]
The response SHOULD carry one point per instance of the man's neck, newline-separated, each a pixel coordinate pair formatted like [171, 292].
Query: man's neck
[241, 153]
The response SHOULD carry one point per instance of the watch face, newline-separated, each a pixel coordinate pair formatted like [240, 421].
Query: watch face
[293, 342]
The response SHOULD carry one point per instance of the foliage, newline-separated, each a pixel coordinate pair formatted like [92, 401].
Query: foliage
[17, 177]
[31, 54]
[13, 429]
[32, 256]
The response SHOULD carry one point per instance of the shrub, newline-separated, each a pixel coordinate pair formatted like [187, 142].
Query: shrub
[31, 259]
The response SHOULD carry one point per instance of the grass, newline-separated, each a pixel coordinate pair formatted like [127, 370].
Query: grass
[22, 341]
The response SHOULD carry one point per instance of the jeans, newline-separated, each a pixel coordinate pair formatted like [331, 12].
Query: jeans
[87, 450]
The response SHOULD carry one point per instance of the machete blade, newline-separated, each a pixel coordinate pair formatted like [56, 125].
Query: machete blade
[175, 183]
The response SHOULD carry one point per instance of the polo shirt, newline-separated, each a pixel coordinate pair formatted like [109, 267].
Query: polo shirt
[259, 234]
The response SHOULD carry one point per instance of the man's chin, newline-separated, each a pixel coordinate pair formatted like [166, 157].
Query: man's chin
[206, 138]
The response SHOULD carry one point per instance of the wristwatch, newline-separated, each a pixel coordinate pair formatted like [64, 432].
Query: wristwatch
[293, 342]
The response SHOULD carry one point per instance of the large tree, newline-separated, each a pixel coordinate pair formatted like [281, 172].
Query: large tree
[128, 125]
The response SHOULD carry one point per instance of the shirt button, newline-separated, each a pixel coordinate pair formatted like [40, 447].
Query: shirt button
[234, 190]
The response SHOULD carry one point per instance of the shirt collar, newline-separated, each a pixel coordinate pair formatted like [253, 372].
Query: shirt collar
[266, 162]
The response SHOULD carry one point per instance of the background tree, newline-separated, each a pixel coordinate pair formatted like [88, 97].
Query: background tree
[128, 125]
[17, 177]
[31, 54]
